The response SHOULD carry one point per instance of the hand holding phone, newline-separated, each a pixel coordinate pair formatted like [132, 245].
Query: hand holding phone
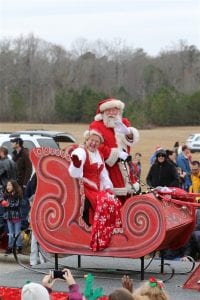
[68, 277]
[57, 274]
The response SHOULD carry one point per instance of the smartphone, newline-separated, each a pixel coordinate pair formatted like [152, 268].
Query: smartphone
[57, 274]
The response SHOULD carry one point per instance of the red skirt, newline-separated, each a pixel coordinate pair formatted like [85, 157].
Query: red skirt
[107, 218]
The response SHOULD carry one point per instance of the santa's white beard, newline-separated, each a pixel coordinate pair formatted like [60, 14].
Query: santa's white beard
[109, 121]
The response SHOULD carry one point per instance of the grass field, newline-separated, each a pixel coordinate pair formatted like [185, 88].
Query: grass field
[149, 138]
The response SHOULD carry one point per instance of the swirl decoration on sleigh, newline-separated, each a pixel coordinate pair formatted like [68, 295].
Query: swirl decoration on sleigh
[151, 221]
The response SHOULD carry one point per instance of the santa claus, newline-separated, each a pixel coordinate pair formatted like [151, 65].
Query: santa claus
[118, 137]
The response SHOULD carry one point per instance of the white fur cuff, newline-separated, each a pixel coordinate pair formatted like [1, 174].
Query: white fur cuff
[113, 157]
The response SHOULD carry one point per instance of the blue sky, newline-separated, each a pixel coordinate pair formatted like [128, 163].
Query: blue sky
[153, 25]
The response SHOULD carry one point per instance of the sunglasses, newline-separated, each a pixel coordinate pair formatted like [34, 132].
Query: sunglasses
[161, 155]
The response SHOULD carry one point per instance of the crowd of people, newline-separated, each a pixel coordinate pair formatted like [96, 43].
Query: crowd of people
[110, 175]
[14, 176]
[176, 168]
[152, 289]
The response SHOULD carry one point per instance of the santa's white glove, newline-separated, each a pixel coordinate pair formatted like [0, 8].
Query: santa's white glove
[123, 155]
[121, 128]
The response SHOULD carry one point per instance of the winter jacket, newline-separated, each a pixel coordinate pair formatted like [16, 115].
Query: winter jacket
[183, 163]
[7, 170]
[23, 165]
[13, 211]
[162, 174]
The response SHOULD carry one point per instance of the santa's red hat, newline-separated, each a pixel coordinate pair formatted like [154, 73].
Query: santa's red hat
[106, 104]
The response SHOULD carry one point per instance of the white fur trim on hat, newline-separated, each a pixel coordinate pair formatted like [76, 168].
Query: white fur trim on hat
[106, 104]
[88, 133]
[34, 291]
[110, 104]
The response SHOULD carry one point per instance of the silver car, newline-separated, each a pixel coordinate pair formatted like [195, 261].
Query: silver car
[193, 142]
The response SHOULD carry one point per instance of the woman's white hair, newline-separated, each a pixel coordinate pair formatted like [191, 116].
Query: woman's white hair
[90, 132]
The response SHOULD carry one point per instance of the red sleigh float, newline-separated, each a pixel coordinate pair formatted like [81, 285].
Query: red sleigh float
[152, 221]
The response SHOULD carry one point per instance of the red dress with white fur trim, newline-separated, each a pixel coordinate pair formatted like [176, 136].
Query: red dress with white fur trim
[104, 213]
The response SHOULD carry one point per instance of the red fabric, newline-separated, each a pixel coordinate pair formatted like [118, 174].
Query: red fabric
[76, 161]
[92, 173]
[107, 217]
[9, 293]
[134, 174]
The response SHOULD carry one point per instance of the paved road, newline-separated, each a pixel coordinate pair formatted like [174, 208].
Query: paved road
[14, 275]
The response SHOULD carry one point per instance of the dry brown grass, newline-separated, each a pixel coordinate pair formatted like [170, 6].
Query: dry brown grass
[149, 138]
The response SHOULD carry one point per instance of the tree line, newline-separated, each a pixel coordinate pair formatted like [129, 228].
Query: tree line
[43, 82]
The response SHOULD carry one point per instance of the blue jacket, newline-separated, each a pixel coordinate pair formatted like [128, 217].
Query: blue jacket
[183, 163]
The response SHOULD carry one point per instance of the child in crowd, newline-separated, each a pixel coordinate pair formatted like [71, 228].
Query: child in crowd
[121, 293]
[34, 290]
[150, 290]
[11, 203]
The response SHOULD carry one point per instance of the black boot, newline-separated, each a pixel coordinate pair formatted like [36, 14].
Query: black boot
[8, 251]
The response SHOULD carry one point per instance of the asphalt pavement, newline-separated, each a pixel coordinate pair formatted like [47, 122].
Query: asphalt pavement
[107, 273]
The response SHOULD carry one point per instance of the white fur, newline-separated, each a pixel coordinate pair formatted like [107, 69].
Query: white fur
[110, 104]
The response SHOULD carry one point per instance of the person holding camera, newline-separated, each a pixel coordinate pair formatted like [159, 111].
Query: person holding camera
[42, 291]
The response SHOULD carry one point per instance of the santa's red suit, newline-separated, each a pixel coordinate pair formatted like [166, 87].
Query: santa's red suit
[104, 212]
[124, 182]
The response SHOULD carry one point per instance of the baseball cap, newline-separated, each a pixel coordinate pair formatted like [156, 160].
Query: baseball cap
[17, 140]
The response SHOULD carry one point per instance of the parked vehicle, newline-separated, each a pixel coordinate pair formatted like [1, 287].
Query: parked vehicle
[193, 142]
[36, 138]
